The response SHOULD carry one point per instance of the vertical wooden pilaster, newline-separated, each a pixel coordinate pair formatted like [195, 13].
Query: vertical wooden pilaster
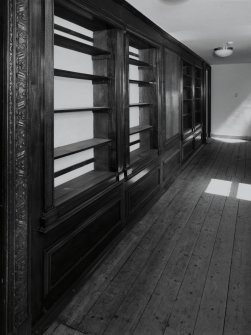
[17, 116]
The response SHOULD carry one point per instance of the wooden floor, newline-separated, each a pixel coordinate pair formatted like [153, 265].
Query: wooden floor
[185, 268]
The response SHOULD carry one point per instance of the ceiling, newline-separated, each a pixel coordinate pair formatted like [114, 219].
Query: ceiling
[203, 25]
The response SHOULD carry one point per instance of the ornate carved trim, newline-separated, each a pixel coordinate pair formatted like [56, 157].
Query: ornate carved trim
[17, 162]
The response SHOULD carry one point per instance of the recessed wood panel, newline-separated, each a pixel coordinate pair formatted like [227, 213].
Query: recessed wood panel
[187, 149]
[65, 260]
[172, 93]
[143, 188]
[171, 166]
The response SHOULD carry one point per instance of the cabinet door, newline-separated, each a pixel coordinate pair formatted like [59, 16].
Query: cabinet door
[172, 75]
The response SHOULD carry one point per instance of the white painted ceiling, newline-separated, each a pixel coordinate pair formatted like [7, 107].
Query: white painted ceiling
[203, 25]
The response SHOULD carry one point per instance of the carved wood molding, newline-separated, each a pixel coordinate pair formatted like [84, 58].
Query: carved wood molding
[17, 189]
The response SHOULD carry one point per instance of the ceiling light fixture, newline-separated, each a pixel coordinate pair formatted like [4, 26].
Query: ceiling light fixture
[224, 51]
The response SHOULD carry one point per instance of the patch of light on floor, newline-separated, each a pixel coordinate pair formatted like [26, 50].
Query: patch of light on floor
[219, 187]
[229, 140]
[244, 192]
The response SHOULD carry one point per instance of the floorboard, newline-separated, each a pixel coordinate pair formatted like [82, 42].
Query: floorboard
[185, 268]
[238, 311]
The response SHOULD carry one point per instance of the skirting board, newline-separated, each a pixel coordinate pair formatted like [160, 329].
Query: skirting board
[247, 138]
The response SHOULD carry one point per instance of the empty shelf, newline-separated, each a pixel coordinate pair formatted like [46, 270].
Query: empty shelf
[73, 167]
[139, 129]
[84, 109]
[72, 32]
[140, 104]
[141, 82]
[133, 54]
[78, 75]
[81, 184]
[74, 148]
[68, 43]
[137, 62]
[134, 142]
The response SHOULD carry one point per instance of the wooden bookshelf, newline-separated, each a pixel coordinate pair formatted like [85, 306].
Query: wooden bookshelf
[142, 64]
[192, 107]
[101, 161]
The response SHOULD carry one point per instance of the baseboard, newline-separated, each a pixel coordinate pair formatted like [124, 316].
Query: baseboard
[246, 138]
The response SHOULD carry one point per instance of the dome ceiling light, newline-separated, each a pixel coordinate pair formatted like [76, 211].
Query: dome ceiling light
[224, 51]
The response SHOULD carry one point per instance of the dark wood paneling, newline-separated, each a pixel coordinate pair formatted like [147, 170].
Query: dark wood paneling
[187, 149]
[43, 26]
[171, 166]
[209, 101]
[172, 96]
[141, 188]
[3, 129]
[68, 258]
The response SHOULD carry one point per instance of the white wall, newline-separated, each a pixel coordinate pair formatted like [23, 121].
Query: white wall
[231, 99]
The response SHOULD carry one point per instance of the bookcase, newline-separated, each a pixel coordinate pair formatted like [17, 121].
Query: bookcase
[84, 113]
[198, 98]
[188, 100]
[115, 101]
[141, 114]
[192, 108]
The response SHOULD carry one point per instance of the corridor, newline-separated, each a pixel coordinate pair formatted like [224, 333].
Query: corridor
[185, 268]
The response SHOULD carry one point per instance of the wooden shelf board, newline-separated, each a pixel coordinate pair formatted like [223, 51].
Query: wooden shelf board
[141, 82]
[72, 32]
[73, 167]
[134, 142]
[140, 129]
[70, 149]
[84, 109]
[68, 43]
[140, 104]
[81, 184]
[133, 54]
[137, 62]
[78, 75]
